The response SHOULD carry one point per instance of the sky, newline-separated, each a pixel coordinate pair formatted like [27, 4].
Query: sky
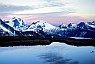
[52, 11]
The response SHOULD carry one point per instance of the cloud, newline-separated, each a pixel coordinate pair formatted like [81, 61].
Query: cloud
[53, 3]
[53, 18]
[57, 19]
[47, 6]
[48, 10]
[9, 9]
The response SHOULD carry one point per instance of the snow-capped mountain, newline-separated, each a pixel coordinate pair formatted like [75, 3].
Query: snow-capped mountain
[17, 23]
[18, 27]
[40, 25]
[83, 29]
[5, 29]
[81, 25]
[63, 26]
[86, 26]
[72, 25]
[8, 29]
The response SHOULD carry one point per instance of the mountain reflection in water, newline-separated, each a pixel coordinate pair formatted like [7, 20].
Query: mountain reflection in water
[56, 53]
[54, 58]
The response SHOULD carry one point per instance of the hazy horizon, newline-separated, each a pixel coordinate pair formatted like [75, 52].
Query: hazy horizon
[43, 21]
[54, 12]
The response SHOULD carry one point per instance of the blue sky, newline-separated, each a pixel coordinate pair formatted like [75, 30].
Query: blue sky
[52, 11]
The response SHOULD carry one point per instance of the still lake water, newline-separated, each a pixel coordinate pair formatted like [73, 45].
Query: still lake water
[55, 53]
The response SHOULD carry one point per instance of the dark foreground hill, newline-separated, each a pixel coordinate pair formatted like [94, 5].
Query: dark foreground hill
[30, 40]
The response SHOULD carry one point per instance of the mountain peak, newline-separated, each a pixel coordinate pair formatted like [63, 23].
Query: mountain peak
[82, 29]
[14, 18]
[72, 25]
[82, 24]
[41, 24]
[20, 21]
[16, 23]
[63, 26]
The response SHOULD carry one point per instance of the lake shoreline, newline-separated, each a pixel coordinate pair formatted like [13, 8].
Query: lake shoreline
[31, 41]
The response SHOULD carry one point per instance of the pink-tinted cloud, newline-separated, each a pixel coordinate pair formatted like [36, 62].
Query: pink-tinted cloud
[55, 19]
[58, 20]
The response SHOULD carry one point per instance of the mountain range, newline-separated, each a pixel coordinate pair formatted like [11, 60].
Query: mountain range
[17, 27]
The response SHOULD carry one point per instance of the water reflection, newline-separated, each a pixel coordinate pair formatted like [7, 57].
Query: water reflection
[55, 58]
[56, 53]
[4, 49]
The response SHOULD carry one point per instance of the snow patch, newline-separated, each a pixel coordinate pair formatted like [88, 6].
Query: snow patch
[80, 38]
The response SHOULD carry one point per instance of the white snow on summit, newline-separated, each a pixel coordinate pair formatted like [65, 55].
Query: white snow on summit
[93, 26]
[17, 24]
[40, 25]
[72, 25]
[2, 27]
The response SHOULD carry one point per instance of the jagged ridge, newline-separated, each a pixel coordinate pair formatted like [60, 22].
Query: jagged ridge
[17, 27]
